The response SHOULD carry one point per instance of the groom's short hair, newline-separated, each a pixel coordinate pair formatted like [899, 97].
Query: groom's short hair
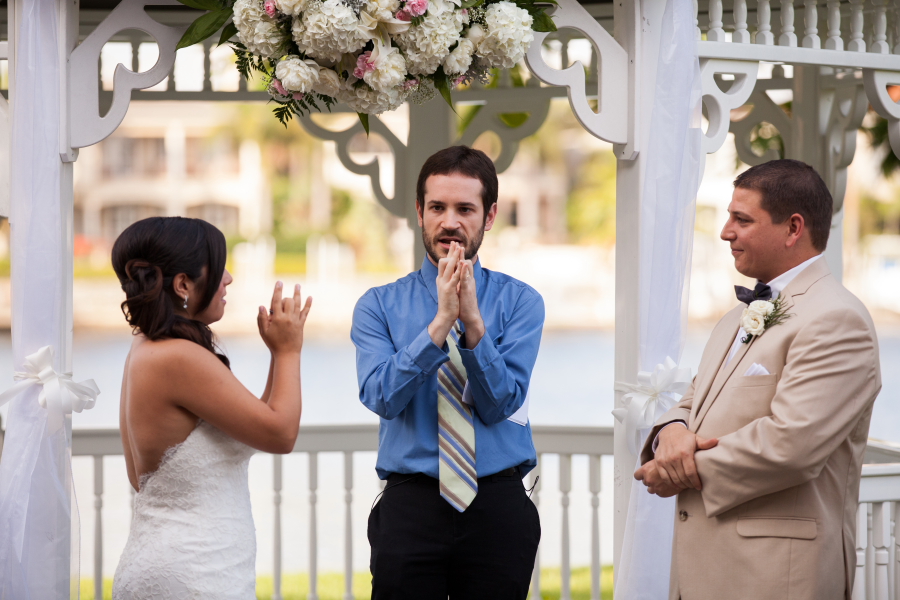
[791, 187]
[465, 161]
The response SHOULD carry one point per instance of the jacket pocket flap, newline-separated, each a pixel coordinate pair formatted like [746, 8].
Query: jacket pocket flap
[756, 380]
[783, 527]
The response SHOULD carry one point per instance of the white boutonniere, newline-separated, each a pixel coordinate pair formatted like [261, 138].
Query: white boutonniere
[760, 315]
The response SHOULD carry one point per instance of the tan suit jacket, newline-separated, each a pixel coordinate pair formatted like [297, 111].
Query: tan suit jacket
[776, 519]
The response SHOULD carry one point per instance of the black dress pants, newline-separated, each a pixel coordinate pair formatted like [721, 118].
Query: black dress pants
[424, 549]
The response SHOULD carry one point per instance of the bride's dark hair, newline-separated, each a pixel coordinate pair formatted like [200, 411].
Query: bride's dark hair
[148, 255]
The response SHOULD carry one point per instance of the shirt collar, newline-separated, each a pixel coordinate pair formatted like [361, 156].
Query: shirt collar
[779, 283]
[429, 272]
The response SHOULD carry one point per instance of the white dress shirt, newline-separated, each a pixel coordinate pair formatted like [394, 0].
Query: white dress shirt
[777, 285]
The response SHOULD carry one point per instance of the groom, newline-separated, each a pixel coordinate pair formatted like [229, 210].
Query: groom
[765, 449]
[444, 357]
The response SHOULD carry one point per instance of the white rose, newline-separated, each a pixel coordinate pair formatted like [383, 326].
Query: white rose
[476, 33]
[458, 61]
[753, 322]
[291, 7]
[329, 84]
[508, 35]
[761, 307]
[297, 75]
[257, 31]
[365, 100]
[390, 70]
[382, 9]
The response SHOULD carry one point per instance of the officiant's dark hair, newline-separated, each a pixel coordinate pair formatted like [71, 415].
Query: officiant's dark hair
[790, 187]
[148, 255]
[464, 161]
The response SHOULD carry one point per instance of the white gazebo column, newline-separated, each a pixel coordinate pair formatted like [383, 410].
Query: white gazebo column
[638, 31]
[35, 477]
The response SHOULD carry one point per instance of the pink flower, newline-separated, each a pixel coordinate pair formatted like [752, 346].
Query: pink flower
[270, 8]
[298, 96]
[410, 83]
[403, 15]
[279, 89]
[364, 64]
[465, 12]
[459, 79]
[416, 8]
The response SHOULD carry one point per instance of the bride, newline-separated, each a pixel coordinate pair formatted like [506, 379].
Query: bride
[188, 425]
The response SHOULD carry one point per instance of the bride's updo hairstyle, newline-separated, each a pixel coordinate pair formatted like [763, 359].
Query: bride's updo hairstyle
[148, 255]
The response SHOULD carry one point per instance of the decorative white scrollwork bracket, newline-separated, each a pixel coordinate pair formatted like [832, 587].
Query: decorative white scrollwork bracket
[84, 76]
[876, 83]
[5, 128]
[718, 103]
[610, 122]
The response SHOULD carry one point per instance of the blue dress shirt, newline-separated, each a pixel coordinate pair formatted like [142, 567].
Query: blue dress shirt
[397, 365]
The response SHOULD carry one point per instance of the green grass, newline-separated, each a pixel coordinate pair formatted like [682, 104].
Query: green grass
[331, 585]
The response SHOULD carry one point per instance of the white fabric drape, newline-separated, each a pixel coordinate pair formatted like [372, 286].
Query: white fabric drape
[35, 478]
[673, 166]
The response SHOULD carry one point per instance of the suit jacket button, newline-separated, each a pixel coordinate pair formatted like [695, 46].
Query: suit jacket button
[683, 515]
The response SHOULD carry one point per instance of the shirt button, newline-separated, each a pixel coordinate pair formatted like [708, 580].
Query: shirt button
[683, 515]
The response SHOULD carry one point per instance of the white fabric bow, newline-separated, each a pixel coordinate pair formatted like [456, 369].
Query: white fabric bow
[649, 399]
[59, 394]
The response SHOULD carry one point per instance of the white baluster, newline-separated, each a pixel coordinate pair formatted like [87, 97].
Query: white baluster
[536, 574]
[98, 527]
[862, 538]
[594, 484]
[764, 34]
[697, 19]
[313, 526]
[811, 19]
[870, 555]
[565, 486]
[857, 43]
[348, 526]
[896, 582]
[740, 35]
[277, 472]
[834, 41]
[787, 37]
[881, 534]
[879, 44]
[715, 33]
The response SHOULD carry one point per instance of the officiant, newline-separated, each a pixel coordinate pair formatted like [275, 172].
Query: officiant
[444, 356]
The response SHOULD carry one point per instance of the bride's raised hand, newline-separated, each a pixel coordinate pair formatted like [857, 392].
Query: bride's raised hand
[282, 328]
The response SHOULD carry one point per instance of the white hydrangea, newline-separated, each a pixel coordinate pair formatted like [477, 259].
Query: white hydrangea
[258, 31]
[458, 61]
[291, 7]
[364, 99]
[508, 35]
[428, 43]
[475, 33]
[328, 31]
[382, 9]
[390, 70]
[297, 75]
[328, 84]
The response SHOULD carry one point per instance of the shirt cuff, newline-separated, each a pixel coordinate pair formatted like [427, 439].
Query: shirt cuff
[481, 356]
[425, 354]
[655, 443]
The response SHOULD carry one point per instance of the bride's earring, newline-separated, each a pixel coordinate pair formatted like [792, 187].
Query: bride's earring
[185, 302]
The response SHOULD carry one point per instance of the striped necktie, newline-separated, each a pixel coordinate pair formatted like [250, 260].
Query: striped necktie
[456, 431]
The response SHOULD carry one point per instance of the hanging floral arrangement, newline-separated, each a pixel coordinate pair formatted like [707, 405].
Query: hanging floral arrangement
[372, 55]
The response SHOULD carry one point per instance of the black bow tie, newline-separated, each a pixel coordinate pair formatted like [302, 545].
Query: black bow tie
[760, 292]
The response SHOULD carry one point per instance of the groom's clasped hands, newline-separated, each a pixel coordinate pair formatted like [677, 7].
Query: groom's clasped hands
[673, 468]
[457, 298]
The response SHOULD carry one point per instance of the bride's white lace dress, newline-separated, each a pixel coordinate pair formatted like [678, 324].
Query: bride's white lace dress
[192, 535]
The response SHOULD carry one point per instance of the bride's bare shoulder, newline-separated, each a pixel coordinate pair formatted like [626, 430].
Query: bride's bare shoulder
[169, 357]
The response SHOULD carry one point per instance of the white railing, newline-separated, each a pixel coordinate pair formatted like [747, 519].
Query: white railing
[878, 537]
[594, 442]
[838, 33]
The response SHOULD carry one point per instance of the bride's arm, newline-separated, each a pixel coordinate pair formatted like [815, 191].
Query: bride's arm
[268, 391]
[197, 381]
